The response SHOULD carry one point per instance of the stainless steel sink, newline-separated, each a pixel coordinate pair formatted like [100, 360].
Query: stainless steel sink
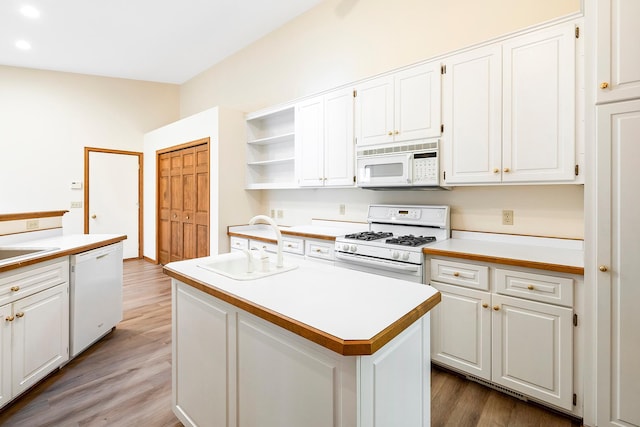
[16, 253]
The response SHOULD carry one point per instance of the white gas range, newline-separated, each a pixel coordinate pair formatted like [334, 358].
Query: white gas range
[393, 245]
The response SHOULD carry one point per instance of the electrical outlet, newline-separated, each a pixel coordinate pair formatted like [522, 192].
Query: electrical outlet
[76, 205]
[32, 224]
[507, 217]
[280, 213]
[273, 213]
[342, 209]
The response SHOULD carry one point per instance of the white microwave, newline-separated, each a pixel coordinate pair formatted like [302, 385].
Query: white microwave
[415, 164]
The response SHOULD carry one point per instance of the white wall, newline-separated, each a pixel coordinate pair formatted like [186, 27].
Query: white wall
[46, 120]
[341, 41]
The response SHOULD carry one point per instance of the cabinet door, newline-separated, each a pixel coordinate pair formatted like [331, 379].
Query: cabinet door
[472, 108]
[338, 139]
[310, 142]
[40, 336]
[461, 330]
[374, 111]
[539, 106]
[417, 102]
[5, 355]
[618, 293]
[618, 64]
[200, 362]
[532, 349]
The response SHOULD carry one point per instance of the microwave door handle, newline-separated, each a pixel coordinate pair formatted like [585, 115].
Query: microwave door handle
[409, 163]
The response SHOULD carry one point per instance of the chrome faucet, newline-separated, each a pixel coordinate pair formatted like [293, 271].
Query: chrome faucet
[273, 224]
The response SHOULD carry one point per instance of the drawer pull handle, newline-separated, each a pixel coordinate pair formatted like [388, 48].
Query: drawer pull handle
[456, 274]
[485, 305]
[507, 170]
[20, 314]
[496, 307]
[603, 268]
[9, 318]
[530, 287]
[15, 288]
[604, 85]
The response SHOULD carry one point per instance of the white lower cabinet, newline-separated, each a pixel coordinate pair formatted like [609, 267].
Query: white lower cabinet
[231, 368]
[523, 343]
[34, 333]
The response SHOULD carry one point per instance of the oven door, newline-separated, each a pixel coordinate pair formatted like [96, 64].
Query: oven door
[382, 267]
[392, 170]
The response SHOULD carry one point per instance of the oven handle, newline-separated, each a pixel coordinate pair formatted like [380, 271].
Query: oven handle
[386, 265]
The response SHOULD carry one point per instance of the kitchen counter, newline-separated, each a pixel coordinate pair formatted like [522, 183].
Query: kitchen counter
[318, 229]
[349, 312]
[64, 245]
[334, 345]
[564, 256]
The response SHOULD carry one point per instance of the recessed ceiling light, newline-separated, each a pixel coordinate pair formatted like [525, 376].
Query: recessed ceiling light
[30, 12]
[23, 45]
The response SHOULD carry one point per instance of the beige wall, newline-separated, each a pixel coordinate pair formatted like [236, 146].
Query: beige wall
[342, 41]
[46, 120]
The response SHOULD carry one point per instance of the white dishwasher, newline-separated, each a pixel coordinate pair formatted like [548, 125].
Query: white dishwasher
[95, 295]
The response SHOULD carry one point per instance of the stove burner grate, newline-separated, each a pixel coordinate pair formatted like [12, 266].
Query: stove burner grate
[368, 235]
[411, 240]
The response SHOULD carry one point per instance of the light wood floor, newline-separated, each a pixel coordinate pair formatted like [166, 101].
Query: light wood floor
[125, 379]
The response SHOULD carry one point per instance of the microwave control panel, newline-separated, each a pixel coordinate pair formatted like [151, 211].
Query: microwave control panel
[425, 169]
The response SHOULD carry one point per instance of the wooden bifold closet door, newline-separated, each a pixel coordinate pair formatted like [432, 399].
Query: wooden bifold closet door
[183, 203]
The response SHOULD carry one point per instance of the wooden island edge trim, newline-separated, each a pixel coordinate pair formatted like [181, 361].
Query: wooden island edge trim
[344, 347]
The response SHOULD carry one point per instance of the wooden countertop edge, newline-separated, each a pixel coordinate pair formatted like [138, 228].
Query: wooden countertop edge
[48, 256]
[284, 232]
[560, 268]
[30, 215]
[333, 343]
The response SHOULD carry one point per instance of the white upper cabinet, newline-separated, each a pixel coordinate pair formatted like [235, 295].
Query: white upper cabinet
[539, 95]
[618, 65]
[324, 140]
[472, 111]
[399, 107]
[509, 110]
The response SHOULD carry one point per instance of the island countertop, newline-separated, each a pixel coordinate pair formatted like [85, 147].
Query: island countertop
[349, 312]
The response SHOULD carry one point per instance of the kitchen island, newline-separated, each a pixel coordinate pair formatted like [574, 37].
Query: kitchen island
[315, 346]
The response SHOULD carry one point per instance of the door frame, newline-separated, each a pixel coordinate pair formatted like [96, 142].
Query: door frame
[202, 141]
[87, 151]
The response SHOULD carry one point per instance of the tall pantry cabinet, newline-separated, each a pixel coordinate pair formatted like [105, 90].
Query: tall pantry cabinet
[616, 207]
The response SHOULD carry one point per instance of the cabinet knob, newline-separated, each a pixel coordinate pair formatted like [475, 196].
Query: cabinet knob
[20, 314]
[397, 132]
[9, 318]
[496, 170]
[507, 170]
[604, 85]
[390, 133]
[530, 287]
[187, 217]
[175, 216]
[456, 274]
[94, 216]
[485, 305]
[15, 288]
[496, 307]
[603, 268]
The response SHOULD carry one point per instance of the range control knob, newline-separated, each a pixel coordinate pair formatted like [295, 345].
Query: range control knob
[395, 254]
[353, 248]
[345, 247]
[405, 256]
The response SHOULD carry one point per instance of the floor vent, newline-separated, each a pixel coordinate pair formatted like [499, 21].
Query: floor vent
[497, 387]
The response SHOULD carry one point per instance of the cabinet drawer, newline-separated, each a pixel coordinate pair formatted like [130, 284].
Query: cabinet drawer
[459, 273]
[317, 249]
[293, 245]
[536, 287]
[26, 281]
[268, 247]
[238, 243]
